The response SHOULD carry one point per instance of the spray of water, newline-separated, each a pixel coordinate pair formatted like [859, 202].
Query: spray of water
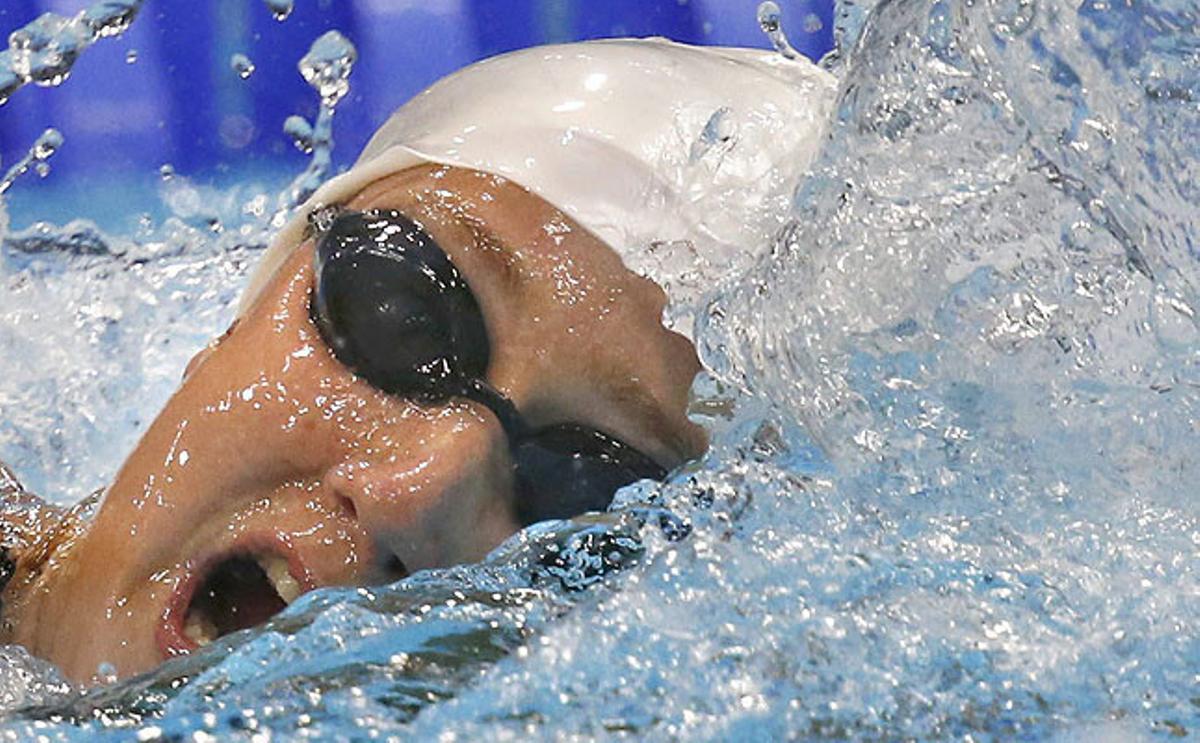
[103, 312]
[950, 492]
[326, 67]
[43, 51]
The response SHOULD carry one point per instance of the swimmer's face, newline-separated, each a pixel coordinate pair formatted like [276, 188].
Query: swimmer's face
[275, 469]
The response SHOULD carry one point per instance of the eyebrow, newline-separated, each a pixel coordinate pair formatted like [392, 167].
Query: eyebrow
[487, 244]
[630, 395]
[492, 250]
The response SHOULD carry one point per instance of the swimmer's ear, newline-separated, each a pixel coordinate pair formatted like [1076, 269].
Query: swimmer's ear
[8, 567]
[205, 352]
[30, 531]
[12, 495]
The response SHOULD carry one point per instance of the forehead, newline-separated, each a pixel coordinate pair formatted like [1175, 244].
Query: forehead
[573, 332]
[491, 220]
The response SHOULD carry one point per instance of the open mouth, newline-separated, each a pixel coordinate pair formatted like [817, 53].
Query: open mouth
[240, 590]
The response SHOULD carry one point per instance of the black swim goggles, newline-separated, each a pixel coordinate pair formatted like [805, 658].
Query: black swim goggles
[396, 311]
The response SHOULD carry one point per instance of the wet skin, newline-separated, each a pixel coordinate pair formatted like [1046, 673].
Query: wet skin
[272, 447]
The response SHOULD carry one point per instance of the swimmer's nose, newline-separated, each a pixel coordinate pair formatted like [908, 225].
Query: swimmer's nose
[442, 495]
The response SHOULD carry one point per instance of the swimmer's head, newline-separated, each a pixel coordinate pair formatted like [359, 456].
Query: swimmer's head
[641, 142]
[442, 347]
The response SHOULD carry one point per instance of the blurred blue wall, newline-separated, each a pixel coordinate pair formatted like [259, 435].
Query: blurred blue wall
[179, 100]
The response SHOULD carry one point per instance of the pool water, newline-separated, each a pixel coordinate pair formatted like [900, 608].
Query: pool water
[954, 408]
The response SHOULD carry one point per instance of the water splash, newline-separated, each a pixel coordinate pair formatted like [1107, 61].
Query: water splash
[37, 158]
[44, 50]
[110, 18]
[770, 20]
[950, 493]
[197, 256]
[26, 681]
[326, 67]
[103, 318]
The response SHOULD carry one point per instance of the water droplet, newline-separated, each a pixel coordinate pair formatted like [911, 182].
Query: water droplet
[42, 150]
[255, 207]
[9, 80]
[812, 23]
[242, 65]
[327, 66]
[47, 144]
[301, 133]
[167, 171]
[768, 17]
[131, 56]
[281, 9]
[110, 17]
[770, 21]
[44, 50]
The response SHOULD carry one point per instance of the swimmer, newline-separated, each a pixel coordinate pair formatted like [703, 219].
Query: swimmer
[448, 342]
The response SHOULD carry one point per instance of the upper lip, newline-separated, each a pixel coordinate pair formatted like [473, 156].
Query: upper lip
[172, 640]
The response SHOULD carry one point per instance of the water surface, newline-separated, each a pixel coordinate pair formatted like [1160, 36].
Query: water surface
[951, 492]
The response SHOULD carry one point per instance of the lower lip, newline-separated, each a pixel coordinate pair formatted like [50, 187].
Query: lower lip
[171, 639]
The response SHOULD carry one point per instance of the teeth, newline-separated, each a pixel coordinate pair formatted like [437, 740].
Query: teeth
[199, 630]
[276, 569]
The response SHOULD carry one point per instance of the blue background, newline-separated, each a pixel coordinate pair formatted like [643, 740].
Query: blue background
[181, 102]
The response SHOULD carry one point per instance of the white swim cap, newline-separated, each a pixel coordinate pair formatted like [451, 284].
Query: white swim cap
[641, 141]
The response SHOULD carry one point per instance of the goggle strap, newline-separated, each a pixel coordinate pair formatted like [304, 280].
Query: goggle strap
[510, 418]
